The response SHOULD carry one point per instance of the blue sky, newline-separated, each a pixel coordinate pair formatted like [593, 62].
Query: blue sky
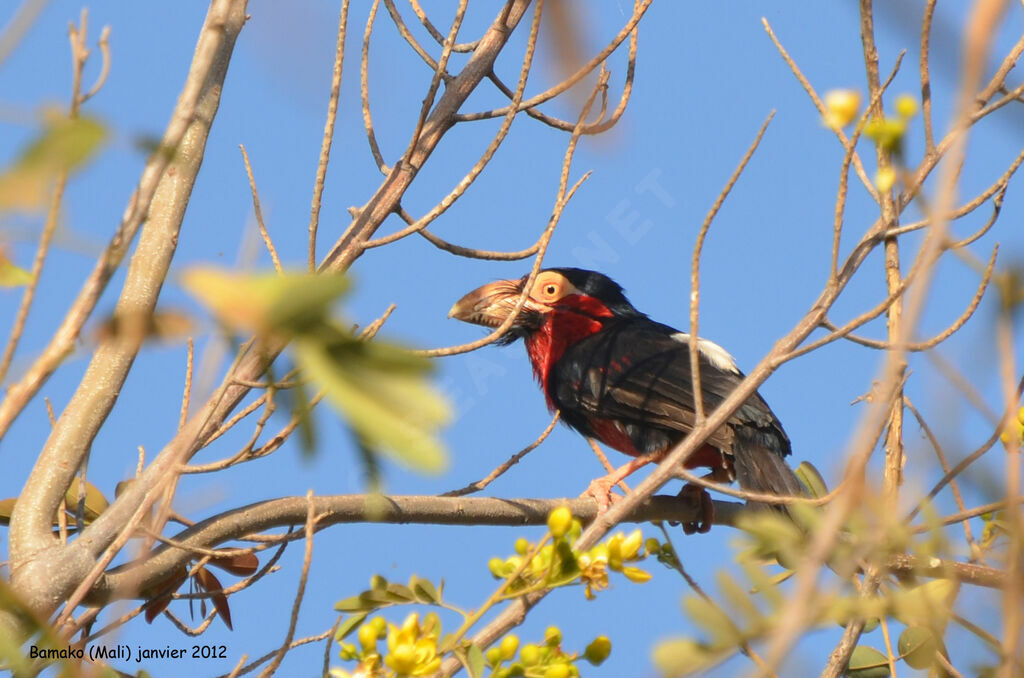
[707, 76]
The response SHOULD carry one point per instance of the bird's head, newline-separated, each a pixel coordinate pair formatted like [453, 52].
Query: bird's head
[568, 292]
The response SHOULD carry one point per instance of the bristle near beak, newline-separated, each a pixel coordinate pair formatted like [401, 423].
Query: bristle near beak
[488, 305]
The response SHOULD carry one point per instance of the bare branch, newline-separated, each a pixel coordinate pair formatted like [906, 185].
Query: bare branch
[306, 561]
[259, 212]
[504, 466]
[698, 398]
[325, 145]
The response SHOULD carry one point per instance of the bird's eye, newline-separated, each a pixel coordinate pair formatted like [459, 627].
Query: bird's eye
[550, 290]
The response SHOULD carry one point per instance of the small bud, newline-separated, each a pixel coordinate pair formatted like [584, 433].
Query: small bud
[887, 133]
[841, 107]
[493, 655]
[598, 650]
[497, 567]
[522, 546]
[631, 545]
[529, 655]
[508, 647]
[368, 637]
[652, 545]
[553, 636]
[885, 179]
[558, 671]
[636, 575]
[906, 106]
[559, 521]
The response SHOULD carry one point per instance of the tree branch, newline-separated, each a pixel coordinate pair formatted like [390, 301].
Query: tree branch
[42, 571]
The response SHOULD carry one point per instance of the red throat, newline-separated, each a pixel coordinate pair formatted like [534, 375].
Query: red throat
[575, 318]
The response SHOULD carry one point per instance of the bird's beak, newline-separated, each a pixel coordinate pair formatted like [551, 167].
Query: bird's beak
[489, 305]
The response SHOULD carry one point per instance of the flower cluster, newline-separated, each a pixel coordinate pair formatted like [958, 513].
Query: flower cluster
[843, 106]
[412, 648]
[543, 660]
[557, 564]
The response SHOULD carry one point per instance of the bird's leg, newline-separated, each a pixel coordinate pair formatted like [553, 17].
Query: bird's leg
[698, 495]
[601, 488]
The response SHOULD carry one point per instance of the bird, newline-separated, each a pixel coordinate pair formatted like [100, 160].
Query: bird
[617, 376]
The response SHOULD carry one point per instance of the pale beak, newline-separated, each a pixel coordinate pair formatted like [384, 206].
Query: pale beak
[489, 305]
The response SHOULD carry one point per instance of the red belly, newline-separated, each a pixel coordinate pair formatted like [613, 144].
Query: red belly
[614, 437]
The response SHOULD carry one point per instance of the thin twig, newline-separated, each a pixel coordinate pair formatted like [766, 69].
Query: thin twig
[18, 26]
[478, 485]
[187, 392]
[259, 212]
[101, 79]
[954, 486]
[492, 147]
[809, 88]
[325, 144]
[307, 560]
[698, 396]
[583, 71]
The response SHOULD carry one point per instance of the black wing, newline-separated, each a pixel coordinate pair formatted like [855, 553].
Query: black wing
[637, 373]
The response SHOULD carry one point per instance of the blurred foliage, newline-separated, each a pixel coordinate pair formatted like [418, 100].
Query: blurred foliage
[63, 145]
[749, 609]
[11, 275]
[380, 388]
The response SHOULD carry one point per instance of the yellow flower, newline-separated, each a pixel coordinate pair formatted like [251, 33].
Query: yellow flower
[885, 179]
[887, 133]
[412, 649]
[906, 106]
[841, 107]
[559, 521]
[593, 575]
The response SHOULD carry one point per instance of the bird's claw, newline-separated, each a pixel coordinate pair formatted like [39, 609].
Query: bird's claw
[600, 489]
[705, 509]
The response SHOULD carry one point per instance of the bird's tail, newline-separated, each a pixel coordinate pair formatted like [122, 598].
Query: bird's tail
[760, 466]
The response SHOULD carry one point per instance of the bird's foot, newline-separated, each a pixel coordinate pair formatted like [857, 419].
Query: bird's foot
[600, 489]
[705, 509]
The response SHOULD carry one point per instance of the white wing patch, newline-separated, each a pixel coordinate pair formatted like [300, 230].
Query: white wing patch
[715, 354]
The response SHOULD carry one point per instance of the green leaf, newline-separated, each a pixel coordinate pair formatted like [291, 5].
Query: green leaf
[424, 590]
[394, 411]
[289, 304]
[867, 662]
[917, 646]
[365, 601]
[763, 584]
[303, 300]
[63, 145]
[12, 275]
[399, 593]
[713, 619]
[95, 502]
[349, 625]
[302, 410]
[811, 479]
[927, 604]
[681, 657]
[738, 598]
[475, 661]
[6, 509]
